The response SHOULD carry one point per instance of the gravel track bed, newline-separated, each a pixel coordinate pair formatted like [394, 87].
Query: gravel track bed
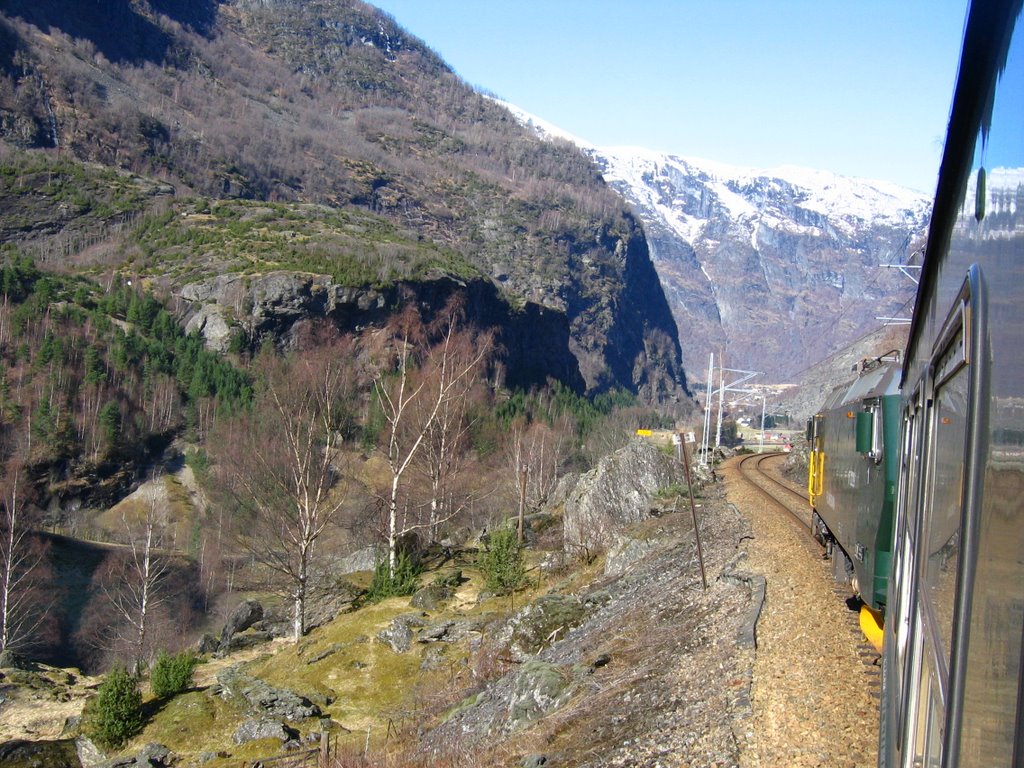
[815, 679]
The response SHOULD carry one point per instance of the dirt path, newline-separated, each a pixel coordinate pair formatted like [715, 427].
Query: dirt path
[812, 688]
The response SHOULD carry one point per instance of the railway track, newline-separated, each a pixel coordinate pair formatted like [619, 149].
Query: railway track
[755, 469]
[781, 493]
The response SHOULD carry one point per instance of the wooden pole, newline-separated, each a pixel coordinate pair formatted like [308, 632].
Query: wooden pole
[693, 509]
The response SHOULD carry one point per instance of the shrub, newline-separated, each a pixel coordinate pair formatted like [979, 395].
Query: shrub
[172, 674]
[115, 715]
[502, 563]
[404, 580]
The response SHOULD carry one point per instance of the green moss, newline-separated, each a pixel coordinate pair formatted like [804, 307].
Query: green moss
[193, 722]
[462, 706]
[363, 676]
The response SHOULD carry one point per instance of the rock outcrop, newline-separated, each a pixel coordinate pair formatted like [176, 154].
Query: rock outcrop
[614, 494]
[536, 343]
[263, 698]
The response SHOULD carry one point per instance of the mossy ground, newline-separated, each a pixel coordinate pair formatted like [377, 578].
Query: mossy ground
[357, 680]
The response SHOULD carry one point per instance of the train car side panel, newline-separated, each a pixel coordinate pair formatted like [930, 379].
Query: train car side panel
[952, 668]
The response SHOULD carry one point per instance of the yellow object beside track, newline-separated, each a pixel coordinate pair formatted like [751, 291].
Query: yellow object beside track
[871, 626]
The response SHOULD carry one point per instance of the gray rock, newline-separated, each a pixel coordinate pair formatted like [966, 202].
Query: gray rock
[327, 601]
[89, 754]
[446, 631]
[246, 639]
[399, 633]
[155, 754]
[430, 597]
[364, 559]
[209, 322]
[614, 494]
[150, 756]
[538, 625]
[264, 728]
[625, 552]
[538, 688]
[208, 643]
[264, 698]
[247, 613]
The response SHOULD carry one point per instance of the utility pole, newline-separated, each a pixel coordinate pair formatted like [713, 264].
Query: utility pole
[760, 448]
[705, 436]
[682, 441]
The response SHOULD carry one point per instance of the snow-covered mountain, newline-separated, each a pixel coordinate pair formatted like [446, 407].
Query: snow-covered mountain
[774, 268]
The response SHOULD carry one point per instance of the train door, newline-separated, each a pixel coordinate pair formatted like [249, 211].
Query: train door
[895, 670]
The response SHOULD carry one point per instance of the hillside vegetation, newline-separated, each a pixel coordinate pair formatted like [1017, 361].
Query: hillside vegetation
[284, 300]
[331, 103]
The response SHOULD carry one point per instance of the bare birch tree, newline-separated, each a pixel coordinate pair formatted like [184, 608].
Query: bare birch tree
[447, 434]
[536, 453]
[281, 465]
[420, 395]
[22, 608]
[133, 581]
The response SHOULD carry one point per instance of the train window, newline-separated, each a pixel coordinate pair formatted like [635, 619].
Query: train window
[947, 485]
[903, 554]
[930, 718]
[869, 432]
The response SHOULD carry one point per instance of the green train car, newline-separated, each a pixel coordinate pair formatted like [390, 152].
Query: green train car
[852, 479]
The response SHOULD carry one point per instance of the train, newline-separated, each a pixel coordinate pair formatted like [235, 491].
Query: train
[917, 465]
[852, 474]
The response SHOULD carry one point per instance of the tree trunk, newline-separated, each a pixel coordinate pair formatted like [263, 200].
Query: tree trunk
[393, 527]
[299, 624]
[522, 505]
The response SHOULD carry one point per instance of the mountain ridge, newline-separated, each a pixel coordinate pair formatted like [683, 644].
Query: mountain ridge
[332, 103]
[774, 268]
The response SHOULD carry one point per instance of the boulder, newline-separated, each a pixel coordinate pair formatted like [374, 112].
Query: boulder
[208, 643]
[209, 323]
[399, 633]
[247, 613]
[538, 688]
[265, 699]
[541, 623]
[445, 631]
[615, 494]
[430, 597]
[88, 753]
[150, 756]
[364, 559]
[254, 729]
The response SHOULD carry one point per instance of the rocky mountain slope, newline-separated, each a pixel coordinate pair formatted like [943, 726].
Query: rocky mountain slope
[327, 104]
[775, 269]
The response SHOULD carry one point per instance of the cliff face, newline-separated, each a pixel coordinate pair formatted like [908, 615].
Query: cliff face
[330, 103]
[535, 340]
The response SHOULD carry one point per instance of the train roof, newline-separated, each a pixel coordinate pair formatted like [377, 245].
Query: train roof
[878, 380]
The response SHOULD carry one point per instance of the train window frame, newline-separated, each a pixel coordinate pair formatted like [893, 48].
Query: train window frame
[902, 597]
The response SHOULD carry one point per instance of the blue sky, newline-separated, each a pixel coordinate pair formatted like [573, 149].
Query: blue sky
[860, 88]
